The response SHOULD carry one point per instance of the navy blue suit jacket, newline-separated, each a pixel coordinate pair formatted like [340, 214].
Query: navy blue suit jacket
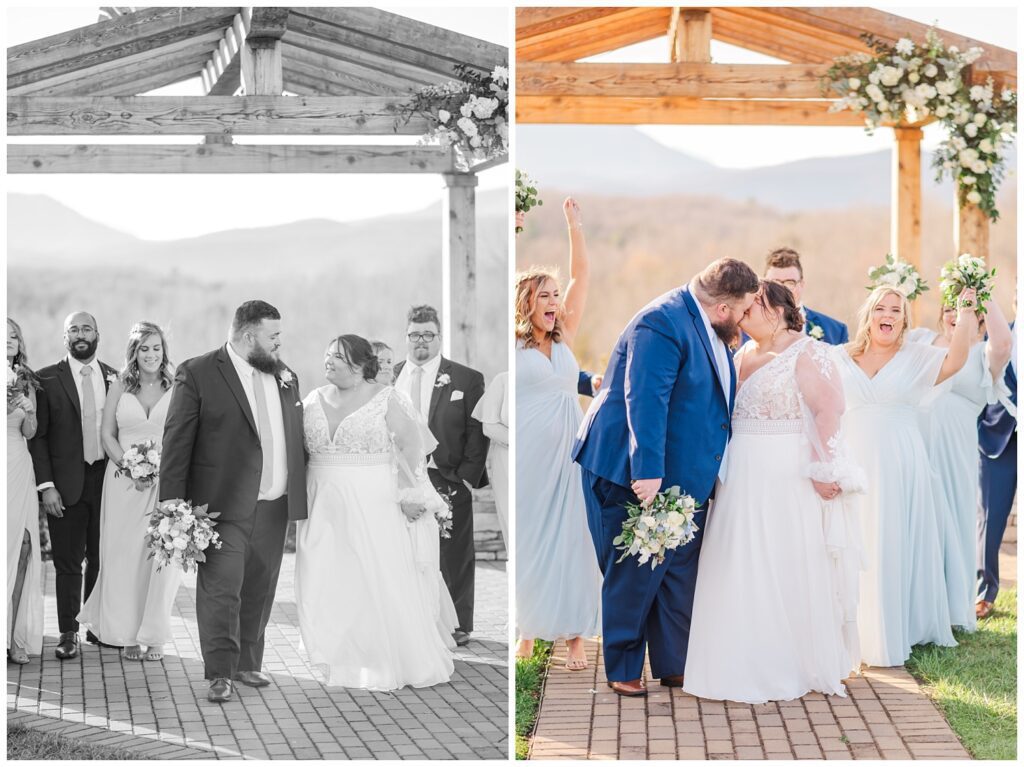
[834, 331]
[585, 384]
[995, 425]
[661, 411]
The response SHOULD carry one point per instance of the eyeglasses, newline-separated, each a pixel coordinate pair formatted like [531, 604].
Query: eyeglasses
[428, 337]
[789, 283]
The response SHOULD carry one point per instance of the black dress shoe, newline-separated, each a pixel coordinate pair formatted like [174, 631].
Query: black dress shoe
[93, 639]
[461, 638]
[220, 690]
[252, 678]
[672, 681]
[68, 645]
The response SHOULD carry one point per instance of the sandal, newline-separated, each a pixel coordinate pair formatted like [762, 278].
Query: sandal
[17, 655]
[132, 652]
[154, 652]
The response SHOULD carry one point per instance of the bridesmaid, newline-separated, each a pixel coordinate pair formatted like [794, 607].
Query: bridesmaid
[492, 412]
[24, 567]
[130, 605]
[903, 590]
[951, 427]
[385, 363]
[558, 583]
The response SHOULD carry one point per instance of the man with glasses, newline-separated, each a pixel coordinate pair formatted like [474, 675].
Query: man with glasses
[783, 266]
[69, 463]
[445, 394]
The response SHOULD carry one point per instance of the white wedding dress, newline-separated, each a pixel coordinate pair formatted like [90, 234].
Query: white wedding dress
[774, 614]
[369, 611]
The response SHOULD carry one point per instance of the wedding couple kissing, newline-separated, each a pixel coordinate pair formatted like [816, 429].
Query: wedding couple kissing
[349, 463]
[761, 604]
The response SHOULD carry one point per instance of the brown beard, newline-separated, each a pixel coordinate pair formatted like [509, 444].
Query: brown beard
[729, 332]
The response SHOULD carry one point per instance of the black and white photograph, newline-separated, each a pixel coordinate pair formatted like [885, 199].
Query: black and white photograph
[257, 391]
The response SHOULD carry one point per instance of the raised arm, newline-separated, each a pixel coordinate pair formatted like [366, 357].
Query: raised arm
[963, 336]
[579, 271]
[999, 346]
[108, 427]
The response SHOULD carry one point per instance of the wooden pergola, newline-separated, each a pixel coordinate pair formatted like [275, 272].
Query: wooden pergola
[552, 86]
[297, 72]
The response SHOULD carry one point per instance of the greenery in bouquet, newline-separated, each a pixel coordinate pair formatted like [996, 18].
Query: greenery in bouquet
[651, 531]
[18, 382]
[963, 273]
[907, 82]
[443, 514]
[179, 534]
[469, 114]
[526, 194]
[899, 275]
[141, 464]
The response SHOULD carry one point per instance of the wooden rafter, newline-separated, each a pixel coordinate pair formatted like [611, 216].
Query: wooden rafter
[600, 34]
[301, 82]
[757, 35]
[359, 78]
[225, 158]
[208, 115]
[222, 75]
[146, 30]
[374, 61]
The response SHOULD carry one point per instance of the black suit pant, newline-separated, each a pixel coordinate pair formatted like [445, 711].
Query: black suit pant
[458, 553]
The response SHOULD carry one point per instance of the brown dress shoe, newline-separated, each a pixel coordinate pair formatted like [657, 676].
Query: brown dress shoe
[983, 609]
[252, 678]
[634, 688]
[220, 690]
[672, 681]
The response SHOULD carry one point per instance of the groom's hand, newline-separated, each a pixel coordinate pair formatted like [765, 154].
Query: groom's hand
[646, 489]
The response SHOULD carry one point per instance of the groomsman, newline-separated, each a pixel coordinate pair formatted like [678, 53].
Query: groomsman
[445, 394]
[69, 464]
[997, 442]
[783, 266]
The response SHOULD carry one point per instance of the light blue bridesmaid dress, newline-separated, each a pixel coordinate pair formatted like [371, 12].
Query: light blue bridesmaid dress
[558, 583]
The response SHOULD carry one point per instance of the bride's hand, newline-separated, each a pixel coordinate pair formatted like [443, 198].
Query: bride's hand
[413, 511]
[573, 217]
[827, 490]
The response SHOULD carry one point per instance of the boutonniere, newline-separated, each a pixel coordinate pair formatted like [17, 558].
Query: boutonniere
[111, 378]
[442, 380]
[285, 378]
[815, 331]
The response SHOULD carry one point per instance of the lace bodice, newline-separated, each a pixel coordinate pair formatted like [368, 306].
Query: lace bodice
[364, 431]
[770, 393]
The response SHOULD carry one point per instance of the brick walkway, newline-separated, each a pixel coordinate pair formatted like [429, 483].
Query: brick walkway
[885, 716]
[161, 708]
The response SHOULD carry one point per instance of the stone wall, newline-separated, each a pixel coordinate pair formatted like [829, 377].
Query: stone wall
[486, 531]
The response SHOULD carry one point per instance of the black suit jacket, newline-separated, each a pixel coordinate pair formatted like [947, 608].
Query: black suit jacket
[461, 444]
[211, 448]
[56, 449]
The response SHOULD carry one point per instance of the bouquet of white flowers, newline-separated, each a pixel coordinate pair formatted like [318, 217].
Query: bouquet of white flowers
[141, 464]
[964, 273]
[899, 275]
[526, 194]
[650, 531]
[179, 534]
[423, 494]
[17, 382]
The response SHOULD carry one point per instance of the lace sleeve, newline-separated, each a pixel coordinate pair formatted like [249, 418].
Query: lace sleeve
[413, 444]
[822, 404]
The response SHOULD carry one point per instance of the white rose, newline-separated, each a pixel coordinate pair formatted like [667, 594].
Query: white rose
[985, 145]
[164, 526]
[854, 83]
[443, 116]
[968, 156]
[925, 91]
[875, 92]
[941, 112]
[913, 77]
[973, 197]
[945, 87]
[961, 117]
[979, 167]
[931, 70]
[971, 130]
[180, 543]
[979, 119]
[979, 93]
[500, 74]
[967, 180]
[891, 76]
[476, 142]
[467, 126]
[650, 521]
[466, 110]
[890, 278]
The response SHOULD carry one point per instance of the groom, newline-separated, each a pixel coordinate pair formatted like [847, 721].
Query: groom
[662, 418]
[233, 440]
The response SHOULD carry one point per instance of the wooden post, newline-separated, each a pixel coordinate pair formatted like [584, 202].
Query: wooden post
[971, 231]
[906, 198]
[690, 33]
[262, 66]
[458, 268]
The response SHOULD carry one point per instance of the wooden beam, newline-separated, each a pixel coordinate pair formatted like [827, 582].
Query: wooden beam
[361, 79]
[222, 75]
[532, 22]
[261, 58]
[268, 23]
[458, 268]
[629, 26]
[691, 40]
[202, 115]
[744, 81]
[225, 158]
[146, 30]
[736, 30]
[298, 79]
[675, 110]
[123, 70]
[151, 79]
[905, 219]
[971, 230]
[394, 35]
[494, 162]
[837, 39]
[374, 61]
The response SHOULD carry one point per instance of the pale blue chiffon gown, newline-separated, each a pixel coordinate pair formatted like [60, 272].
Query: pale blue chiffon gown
[950, 423]
[903, 600]
[558, 583]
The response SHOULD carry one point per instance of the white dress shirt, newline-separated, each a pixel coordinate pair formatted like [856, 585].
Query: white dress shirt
[270, 389]
[404, 382]
[722, 363]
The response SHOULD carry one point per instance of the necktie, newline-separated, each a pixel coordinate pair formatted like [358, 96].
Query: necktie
[90, 441]
[417, 389]
[266, 436]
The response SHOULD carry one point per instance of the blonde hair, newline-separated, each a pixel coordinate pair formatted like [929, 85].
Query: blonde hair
[862, 338]
[528, 284]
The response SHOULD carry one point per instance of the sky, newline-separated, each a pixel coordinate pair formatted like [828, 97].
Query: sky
[174, 206]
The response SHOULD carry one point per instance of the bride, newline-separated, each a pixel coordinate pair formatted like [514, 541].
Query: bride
[370, 609]
[775, 603]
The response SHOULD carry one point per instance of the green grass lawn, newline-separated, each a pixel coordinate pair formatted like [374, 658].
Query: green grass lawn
[23, 743]
[529, 682]
[975, 683]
